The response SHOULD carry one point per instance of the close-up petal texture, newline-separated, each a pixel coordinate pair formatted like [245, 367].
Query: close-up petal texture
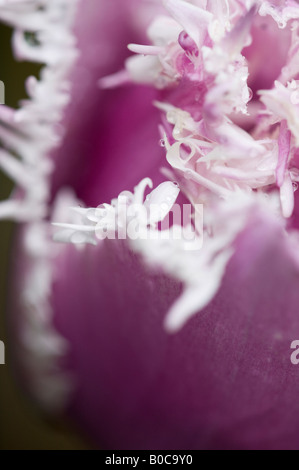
[153, 281]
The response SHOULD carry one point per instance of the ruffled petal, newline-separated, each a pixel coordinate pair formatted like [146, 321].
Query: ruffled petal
[225, 380]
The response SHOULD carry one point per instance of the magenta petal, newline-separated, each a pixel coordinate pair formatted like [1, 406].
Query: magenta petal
[224, 381]
[111, 137]
[266, 37]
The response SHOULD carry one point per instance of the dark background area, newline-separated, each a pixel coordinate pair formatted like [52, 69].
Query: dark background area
[21, 425]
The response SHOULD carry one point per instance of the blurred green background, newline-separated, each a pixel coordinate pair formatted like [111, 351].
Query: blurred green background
[21, 426]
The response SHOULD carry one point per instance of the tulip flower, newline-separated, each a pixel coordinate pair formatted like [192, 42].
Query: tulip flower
[148, 333]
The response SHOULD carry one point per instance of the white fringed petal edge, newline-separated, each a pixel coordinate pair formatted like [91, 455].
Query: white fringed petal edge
[43, 34]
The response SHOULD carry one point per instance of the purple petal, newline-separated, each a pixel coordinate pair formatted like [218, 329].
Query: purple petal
[112, 138]
[266, 37]
[224, 381]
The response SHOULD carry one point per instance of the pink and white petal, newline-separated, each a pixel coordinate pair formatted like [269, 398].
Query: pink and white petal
[284, 146]
[266, 36]
[103, 137]
[225, 380]
[190, 17]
